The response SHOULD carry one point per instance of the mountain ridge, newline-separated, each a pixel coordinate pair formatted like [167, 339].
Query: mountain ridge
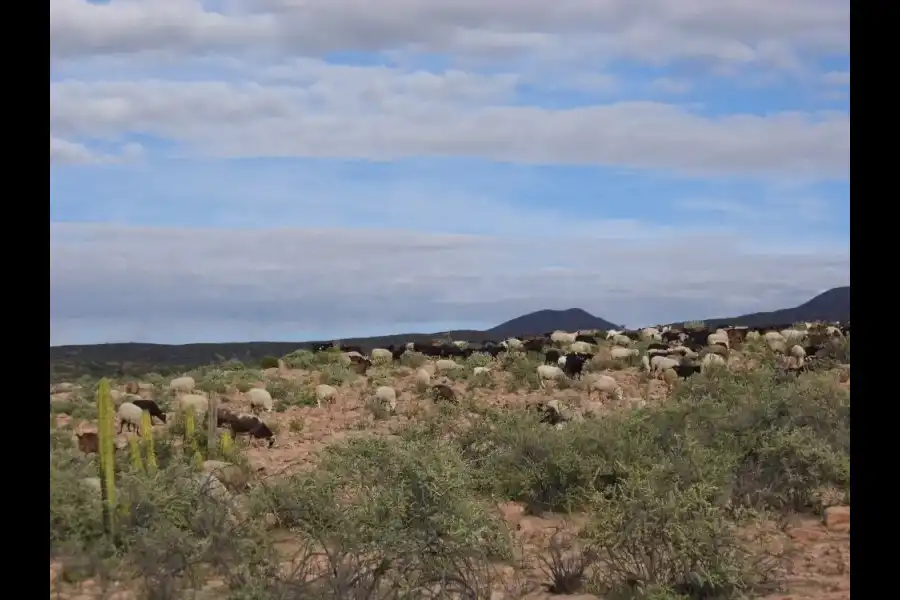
[830, 305]
[135, 357]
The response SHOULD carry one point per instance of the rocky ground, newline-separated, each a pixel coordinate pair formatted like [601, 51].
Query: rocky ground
[818, 547]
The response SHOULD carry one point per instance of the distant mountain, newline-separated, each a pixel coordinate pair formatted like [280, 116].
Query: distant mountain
[70, 362]
[544, 321]
[833, 305]
[138, 358]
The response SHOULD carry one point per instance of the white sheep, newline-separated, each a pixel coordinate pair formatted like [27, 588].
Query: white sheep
[260, 399]
[793, 362]
[684, 351]
[183, 384]
[129, 415]
[325, 393]
[480, 370]
[347, 357]
[650, 333]
[462, 345]
[387, 395]
[549, 372]
[773, 335]
[712, 360]
[604, 384]
[834, 331]
[621, 353]
[798, 352]
[423, 377]
[562, 337]
[579, 348]
[199, 404]
[661, 363]
[612, 333]
[670, 377]
[411, 346]
[719, 337]
[561, 361]
[622, 340]
[793, 334]
[381, 354]
[446, 364]
[512, 344]
[753, 335]
[777, 346]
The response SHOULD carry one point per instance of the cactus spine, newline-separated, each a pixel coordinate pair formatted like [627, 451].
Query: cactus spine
[150, 447]
[106, 434]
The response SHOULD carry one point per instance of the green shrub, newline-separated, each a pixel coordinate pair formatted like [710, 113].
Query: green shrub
[413, 360]
[414, 526]
[661, 537]
[300, 359]
[268, 362]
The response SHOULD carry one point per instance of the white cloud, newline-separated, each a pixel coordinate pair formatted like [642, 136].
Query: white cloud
[216, 79]
[738, 31]
[775, 210]
[159, 284]
[287, 104]
[73, 153]
[669, 85]
[392, 115]
[837, 78]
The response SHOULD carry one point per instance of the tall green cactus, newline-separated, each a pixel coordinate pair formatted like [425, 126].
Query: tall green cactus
[190, 437]
[106, 434]
[148, 442]
[226, 445]
[211, 422]
[134, 450]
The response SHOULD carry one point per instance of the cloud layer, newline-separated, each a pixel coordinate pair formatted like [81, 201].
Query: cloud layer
[319, 281]
[240, 169]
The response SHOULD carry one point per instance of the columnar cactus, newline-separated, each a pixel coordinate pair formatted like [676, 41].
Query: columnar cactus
[190, 438]
[135, 451]
[211, 422]
[149, 445]
[226, 445]
[106, 434]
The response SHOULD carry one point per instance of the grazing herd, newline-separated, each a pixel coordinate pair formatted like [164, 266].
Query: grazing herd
[670, 353]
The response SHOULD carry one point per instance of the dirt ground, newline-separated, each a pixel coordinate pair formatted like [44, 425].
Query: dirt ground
[818, 548]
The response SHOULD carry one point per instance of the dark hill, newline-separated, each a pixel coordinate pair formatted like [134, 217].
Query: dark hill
[833, 305]
[138, 358]
[70, 362]
[544, 321]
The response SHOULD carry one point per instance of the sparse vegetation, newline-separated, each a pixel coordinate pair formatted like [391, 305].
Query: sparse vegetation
[668, 496]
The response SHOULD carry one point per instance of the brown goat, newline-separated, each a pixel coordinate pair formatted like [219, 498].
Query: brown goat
[444, 392]
[88, 442]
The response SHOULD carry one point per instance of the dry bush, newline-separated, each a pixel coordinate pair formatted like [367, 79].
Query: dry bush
[665, 488]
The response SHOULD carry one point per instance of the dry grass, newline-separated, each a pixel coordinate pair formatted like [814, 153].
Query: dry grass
[670, 494]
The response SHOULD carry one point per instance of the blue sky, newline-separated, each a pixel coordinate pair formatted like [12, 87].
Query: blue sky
[250, 170]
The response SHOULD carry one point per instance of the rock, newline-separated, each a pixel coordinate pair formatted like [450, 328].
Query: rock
[837, 518]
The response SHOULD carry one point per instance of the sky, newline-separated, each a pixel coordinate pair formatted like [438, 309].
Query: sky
[236, 170]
